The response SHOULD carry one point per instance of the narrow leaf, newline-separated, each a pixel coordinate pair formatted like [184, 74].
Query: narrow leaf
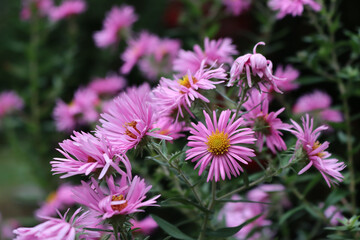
[170, 229]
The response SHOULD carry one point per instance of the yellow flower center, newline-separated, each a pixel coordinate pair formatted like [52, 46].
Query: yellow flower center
[128, 132]
[315, 146]
[218, 143]
[51, 197]
[118, 207]
[185, 81]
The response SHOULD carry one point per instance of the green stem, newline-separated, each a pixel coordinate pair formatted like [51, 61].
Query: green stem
[210, 208]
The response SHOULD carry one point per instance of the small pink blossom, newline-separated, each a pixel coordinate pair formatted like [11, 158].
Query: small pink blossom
[117, 20]
[257, 65]
[237, 7]
[333, 214]
[315, 151]
[217, 145]
[289, 74]
[42, 7]
[146, 226]
[109, 85]
[66, 9]
[215, 53]
[266, 193]
[168, 127]
[65, 116]
[9, 102]
[317, 103]
[122, 197]
[292, 7]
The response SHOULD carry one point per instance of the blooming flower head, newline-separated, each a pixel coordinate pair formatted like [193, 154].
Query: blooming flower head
[215, 53]
[42, 8]
[85, 154]
[289, 75]
[317, 103]
[256, 64]
[292, 7]
[9, 101]
[121, 198]
[183, 91]
[266, 125]
[57, 228]
[217, 144]
[236, 213]
[236, 7]
[58, 200]
[129, 119]
[315, 151]
[118, 19]
[66, 9]
[109, 85]
[146, 226]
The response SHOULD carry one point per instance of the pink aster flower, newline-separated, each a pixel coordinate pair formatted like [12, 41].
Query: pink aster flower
[146, 226]
[42, 8]
[289, 74]
[256, 64]
[236, 213]
[7, 227]
[65, 116]
[85, 154]
[109, 85]
[317, 103]
[215, 53]
[267, 193]
[168, 127]
[186, 89]
[118, 20]
[121, 198]
[57, 228]
[266, 125]
[236, 7]
[58, 200]
[217, 144]
[87, 100]
[292, 7]
[333, 214]
[129, 119]
[66, 9]
[315, 151]
[9, 102]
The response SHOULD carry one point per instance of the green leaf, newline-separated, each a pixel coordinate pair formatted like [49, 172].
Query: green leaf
[230, 231]
[170, 229]
[288, 214]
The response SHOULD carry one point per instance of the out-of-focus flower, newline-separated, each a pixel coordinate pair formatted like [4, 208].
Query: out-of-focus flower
[267, 192]
[109, 85]
[123, 197]
[236, 213]
[118, 20]
[9, 101]
[317, 103]
[257, 65]
[65, 116]
[315, 151]
[333, 214]
[266, 125]
[58, 200]
[146, 226]
[57, 228]
[129, 119]
[41, 7]
[85, 154]
[217, 144]
[168, 127]
[236, 7]
[215, 53]
[66, 9]
[7, 227]
[289, 74]
[292, 7]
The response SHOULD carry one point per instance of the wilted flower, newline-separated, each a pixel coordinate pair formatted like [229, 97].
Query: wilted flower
[256, 64]
[315, 151]
[122, 198]
[117, 20]
[292, 7]
[217, 144]
[9, 101]
[237, 7]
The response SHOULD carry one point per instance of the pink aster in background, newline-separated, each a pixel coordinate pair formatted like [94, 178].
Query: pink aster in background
[109, 85]
[65, 116]
[333, 214]
[266, 125]
[269, 193]
[217, 145]
[118, 20]
[317, 103]
[236, 213]
[66, 9]
[122, 197]
[292, 7]
[129, 119]
[57, 228]
[9, 102]
[289, 74]
[146, 226]
[315, 151]
[58, 200]
[236, 7]
[42, 8]
[257, 65]
[168, 127]
[85, 154]
[215, 53]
